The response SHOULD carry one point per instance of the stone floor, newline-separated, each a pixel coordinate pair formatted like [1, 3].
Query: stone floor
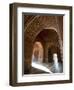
[38, 68]
[50, 66]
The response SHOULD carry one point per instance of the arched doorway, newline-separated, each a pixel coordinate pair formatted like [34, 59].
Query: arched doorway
[43, 46]
[50, 40]
[51, 51]
[37, 55]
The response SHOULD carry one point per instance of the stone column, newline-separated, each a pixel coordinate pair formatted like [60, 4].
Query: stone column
[28, 46]
[46, 52]
[60, 40]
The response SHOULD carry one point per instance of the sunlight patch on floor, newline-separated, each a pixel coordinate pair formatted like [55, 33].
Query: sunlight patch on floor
[40, 66]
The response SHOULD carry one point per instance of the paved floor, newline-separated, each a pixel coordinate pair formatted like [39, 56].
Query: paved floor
[38, 68]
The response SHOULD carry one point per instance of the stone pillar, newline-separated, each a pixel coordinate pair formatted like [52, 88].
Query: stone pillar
[60, 40]
[46, 52]
[27, 55]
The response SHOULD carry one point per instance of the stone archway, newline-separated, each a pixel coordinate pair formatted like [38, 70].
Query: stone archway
[37, 55]
[39, 26]
[51, 51]
[48, 38]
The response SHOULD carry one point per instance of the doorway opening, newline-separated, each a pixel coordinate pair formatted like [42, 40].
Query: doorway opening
[37, 55]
